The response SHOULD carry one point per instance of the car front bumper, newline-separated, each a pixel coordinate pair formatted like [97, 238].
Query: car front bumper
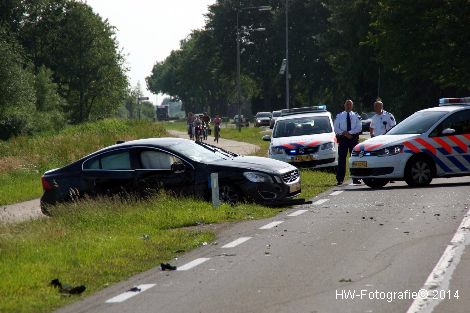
[392, 167]
[271, 192]
[316, 160]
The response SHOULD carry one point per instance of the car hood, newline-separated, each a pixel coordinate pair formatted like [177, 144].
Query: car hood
[257, 164]
[383, 141]
[302, 141]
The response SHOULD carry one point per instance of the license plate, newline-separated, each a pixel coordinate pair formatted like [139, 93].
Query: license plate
[303, 158]
[294, 187]
[359, 164]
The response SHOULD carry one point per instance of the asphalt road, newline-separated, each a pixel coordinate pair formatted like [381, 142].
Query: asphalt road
[376, 246]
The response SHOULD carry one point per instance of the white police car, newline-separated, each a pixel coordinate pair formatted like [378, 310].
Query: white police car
[304, 137]
[434, 142]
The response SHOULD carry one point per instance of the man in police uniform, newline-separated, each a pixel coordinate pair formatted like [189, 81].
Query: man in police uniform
[382, 121]
[347, 128]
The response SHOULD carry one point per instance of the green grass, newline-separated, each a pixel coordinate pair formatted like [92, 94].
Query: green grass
[97, 243]
[24, 159]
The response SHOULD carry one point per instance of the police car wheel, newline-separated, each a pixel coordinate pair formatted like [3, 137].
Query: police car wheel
[375, 182]
[419, 172]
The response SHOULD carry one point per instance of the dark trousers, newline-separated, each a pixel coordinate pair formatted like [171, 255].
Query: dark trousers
[345, 146]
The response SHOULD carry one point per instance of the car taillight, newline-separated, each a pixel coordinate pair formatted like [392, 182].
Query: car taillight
[45, 184]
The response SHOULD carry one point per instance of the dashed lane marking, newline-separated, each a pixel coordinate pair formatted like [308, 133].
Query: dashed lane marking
[337, 192]
[271, 225]
[129, 294]
[297, 213]
[192, 264]
[237, 242]
[321, 201]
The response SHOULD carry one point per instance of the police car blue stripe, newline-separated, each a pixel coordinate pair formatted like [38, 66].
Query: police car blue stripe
[457, 163]
[467, 157]
[459, 150]
[443, 151]
[442, 165]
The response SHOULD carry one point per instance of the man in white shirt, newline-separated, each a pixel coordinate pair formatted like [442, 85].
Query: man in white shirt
[347, 128]
[382, 121]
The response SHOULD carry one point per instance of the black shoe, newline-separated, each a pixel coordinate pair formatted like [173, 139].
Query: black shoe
[339, 183]
[356, 181]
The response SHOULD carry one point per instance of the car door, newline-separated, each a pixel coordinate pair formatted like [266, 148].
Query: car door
[159, 169]
[451, 139]
[109, 173]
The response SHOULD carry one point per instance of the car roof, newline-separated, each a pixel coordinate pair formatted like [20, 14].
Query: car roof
[300, 115]
[158, 142]
[447, 108]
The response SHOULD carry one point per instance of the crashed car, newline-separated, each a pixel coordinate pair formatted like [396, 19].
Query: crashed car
[178, 165]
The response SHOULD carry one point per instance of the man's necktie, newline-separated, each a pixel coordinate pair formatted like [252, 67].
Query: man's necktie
[348, 122]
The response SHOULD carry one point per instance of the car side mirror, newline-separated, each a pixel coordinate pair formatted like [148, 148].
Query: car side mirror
[267, 138]
[448, 131]
[178, 168]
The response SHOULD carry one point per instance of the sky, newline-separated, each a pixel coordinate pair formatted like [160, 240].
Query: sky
[148, 30]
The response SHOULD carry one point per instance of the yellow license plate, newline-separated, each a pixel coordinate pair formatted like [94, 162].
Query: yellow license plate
[303, 158]
[359, 164]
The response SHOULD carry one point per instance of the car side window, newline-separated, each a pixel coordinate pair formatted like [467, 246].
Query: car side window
[111, 161]
[459, 121]
[157, 160]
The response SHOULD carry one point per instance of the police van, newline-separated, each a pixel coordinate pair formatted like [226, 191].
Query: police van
[304, 137]
[430, 143]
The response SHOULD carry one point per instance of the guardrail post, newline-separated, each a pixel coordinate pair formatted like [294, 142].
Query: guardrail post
[215, 189]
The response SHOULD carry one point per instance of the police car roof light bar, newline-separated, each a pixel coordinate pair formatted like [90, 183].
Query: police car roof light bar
[312, 109]
[454, 101]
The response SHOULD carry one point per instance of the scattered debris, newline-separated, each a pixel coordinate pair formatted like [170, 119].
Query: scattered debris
[437, 214]
[381, 224]
[67, 289]
[406, 232]
[371, 218]
[135, 289]
[145, 237]
[342, 280]
[204, 243]
[167, 267]
[180, 251]
[267, 252]
[363, 217]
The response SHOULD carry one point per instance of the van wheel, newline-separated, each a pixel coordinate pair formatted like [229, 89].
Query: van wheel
[229, 194]
[375, 183]
[419, 172]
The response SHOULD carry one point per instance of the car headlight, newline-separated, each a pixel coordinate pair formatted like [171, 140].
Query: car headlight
[392, 150]
[256, 177]
[328, 146]
[277, 150]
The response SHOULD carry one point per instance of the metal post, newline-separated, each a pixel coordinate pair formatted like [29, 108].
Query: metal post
[215, 190]
[287, 54]
[238, 77]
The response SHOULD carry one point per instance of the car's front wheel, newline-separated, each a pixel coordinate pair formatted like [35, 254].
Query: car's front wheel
[230, 194]
[419, 172]
[375, 182]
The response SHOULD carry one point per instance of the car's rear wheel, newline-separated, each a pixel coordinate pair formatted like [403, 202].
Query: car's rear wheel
[230, 194]
[419, 172]
[375, 182]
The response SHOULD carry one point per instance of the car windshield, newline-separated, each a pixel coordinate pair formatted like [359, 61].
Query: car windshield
[196, 152]
[263, 114]
[276, 113]
[302, 126]
[418, 123]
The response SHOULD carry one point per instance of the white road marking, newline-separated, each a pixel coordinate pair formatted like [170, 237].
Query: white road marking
[129, 294]
[271, 225]
[440, 277]
[192, 264]
[337, 192]
[321, 201]
[237, 242]
[297, 213]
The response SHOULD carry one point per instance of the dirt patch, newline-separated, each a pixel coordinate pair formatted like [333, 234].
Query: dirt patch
[9, 164]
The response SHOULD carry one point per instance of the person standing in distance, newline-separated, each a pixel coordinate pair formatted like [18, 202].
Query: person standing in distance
[347, 128]
[382, 121]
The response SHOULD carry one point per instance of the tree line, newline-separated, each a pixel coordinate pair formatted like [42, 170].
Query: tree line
[59, 63]
[409, 53]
